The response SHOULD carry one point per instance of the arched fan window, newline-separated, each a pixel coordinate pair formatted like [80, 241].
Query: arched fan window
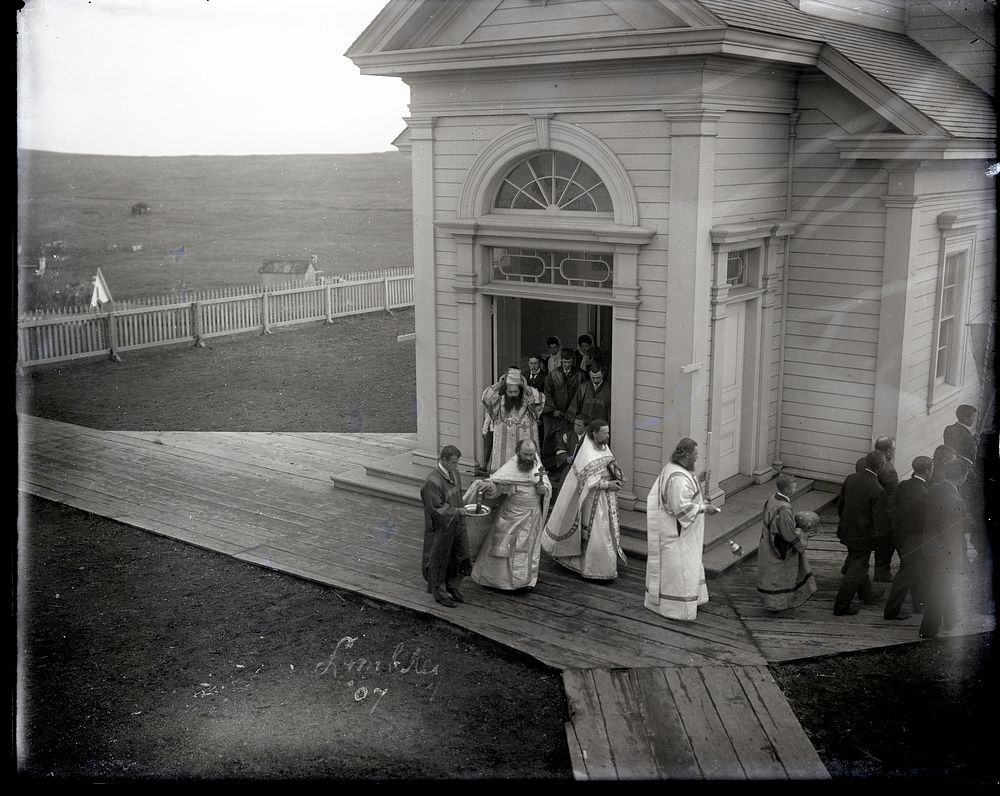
[553, 182]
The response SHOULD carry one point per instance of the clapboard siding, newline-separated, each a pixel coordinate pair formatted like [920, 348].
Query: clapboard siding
[832, 311]
[921, 427]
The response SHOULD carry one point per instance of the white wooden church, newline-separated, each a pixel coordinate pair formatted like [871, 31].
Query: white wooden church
[777, 216]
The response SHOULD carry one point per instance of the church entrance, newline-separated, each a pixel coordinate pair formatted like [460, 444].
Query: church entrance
[521, 326]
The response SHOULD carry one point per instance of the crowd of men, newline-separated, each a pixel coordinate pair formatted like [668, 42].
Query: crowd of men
[550, 484]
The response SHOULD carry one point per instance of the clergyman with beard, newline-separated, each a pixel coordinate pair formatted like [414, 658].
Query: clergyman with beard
[512, 412]
[508, 558]
[446, 546]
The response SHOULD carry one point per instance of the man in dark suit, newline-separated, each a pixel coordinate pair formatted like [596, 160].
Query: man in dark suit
[907, 531]
[888, 479]
[959, 435]
[860, 526]
[945, 524]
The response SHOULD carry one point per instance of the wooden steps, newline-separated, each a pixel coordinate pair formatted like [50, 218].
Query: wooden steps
[397, 478]
[739, 522]
[711, 722]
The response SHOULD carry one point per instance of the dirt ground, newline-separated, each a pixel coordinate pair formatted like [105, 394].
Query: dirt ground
[143, 658]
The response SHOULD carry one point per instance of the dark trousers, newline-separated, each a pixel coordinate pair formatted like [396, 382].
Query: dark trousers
[884, 549]
[446, 554]
[909, 579]
[487, 449]
[552, 430]
[941, 599]
[856, 579]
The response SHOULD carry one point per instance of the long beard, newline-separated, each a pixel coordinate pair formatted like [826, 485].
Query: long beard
[525, 466]
[511, 403]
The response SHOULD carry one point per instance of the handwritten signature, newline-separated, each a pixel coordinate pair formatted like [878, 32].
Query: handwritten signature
[340, 663]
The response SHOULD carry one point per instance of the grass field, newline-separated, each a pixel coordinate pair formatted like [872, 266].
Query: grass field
[228, 214]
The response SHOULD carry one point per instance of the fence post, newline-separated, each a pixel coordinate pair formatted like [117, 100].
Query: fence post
[22, 349]
[385, 293]
[196, 323]
[328, 303]
[113, 337]
[265, 312]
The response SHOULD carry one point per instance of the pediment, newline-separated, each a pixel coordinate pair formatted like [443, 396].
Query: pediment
[420, 24]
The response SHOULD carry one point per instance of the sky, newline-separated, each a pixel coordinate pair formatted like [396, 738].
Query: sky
[200, 77]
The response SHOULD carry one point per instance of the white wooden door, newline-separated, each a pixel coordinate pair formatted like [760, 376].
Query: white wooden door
[733, 331]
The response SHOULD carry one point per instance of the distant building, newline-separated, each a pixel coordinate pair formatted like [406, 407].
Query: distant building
[275, 273]
[140, 209]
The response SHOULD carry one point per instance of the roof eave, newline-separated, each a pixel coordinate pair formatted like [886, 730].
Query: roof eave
[591, 48]
[893, 146]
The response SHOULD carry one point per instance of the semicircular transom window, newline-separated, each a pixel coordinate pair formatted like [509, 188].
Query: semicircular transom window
[553, 182]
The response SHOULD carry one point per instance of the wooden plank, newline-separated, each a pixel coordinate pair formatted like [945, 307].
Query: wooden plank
[753, 747]
[624, 726]
[575, 753]
[713, 750]
[671, 749]
[796, 752]
[588, 722]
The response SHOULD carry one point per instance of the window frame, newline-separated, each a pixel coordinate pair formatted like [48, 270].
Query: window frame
[942, 388]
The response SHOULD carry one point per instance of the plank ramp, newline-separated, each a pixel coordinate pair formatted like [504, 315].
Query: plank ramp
[713, 722]
[267, 499]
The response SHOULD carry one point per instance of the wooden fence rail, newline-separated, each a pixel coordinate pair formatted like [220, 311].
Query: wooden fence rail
[57, 338]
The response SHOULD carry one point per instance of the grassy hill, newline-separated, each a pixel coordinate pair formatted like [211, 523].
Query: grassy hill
[228, 213]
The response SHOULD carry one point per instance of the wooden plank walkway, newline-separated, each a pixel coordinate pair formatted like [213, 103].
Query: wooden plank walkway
[267, 498]
[713, 722]
[649, 698]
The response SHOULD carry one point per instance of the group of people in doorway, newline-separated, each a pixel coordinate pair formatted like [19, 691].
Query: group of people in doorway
[551, 483]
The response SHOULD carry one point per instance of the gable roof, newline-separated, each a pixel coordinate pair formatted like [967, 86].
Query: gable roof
[888, 71]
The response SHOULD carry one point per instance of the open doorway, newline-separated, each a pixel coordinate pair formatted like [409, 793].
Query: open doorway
[521, 327]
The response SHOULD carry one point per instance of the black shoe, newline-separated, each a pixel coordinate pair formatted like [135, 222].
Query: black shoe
[456, 595]
[898, 617]
[928, 635]
[444, 598]
[846, 611]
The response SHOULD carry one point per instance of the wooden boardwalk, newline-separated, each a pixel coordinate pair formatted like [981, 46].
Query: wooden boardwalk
[712, 722]
[267, 498]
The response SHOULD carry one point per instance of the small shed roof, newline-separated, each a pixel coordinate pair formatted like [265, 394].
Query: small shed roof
[285, 267]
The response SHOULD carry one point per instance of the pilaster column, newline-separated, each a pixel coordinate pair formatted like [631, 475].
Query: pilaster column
[424, 286]
[902, 228]
[689, 274]
[623, 343]
[469, 352]
[762, 468]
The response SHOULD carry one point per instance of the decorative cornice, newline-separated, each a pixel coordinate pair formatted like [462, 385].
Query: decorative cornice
[421, 127]
[957, 222]
[752, 230]
[589, 48]
[631, 103]
[534, 228]
[893, 146]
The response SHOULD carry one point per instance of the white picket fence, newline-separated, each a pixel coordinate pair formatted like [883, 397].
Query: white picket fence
[84, 332]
